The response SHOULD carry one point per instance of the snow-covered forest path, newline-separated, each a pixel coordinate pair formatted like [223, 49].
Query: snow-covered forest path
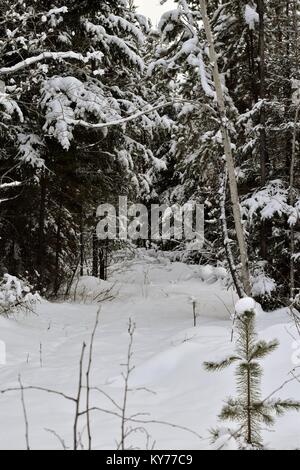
[168, 354]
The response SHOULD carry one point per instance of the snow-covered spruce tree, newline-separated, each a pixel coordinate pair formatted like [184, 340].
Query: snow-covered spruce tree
[209, 111]
[253, 43]
[70, 68]
[249, 410]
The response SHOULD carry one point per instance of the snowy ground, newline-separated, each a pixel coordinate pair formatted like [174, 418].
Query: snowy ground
[168, 354]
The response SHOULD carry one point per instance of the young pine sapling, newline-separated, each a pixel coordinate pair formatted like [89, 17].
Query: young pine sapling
[248, 409]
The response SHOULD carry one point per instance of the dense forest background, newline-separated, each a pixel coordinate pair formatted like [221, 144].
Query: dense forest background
[70, 66]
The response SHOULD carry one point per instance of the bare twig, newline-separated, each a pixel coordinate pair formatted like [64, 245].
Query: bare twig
[77, 411]
[144, 421]
[282, 386]
[39, 389]
[126, 375]
[139, 419]
[25, 413]
[88, 388]
[61, 441]
[107, 396]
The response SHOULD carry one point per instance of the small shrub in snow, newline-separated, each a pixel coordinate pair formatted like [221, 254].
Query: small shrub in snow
[89, 289]
[248, 409]
[16, 295]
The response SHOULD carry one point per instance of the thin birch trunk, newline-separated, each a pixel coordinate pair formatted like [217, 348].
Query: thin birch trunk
[292, 165]
[81, 242]
[227, 245]
[292, 202]
[245, 274]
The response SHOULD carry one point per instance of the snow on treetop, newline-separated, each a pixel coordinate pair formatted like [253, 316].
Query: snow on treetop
[245, 305]
[54, 16]
[251, 16]
[167, 17]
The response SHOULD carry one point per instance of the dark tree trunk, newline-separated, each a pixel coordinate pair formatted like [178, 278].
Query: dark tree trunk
[81, 243]
[57, 251]
[103, 261]
[95, 254]
[41, 230]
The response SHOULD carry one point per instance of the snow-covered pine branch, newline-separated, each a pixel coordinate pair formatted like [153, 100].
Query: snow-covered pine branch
[29, 147]
[56, 56]
[9, 107]
[14, 184]
[99, 34]
[122, 121]
[68, 103]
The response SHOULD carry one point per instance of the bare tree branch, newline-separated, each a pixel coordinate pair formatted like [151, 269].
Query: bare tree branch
[88, 379]
[39, 389]
[61, 441]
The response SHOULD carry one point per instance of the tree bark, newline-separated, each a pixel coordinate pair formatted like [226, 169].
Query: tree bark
[292, 202]
[95, 254]
[58, 250]
[81, 243]
[245, 274]
[229, 254]
[263, 136]
[292, 198]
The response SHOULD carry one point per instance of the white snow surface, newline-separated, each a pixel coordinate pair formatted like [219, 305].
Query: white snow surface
[168, 354]
[245, 305]
[251, 16]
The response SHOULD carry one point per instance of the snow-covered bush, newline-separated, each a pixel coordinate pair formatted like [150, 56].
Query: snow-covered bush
[16, 295]
[89, 290]
[264, 287]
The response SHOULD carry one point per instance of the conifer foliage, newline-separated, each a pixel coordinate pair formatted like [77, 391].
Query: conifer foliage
[64, 70]
[249, 410]
[71, 73]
